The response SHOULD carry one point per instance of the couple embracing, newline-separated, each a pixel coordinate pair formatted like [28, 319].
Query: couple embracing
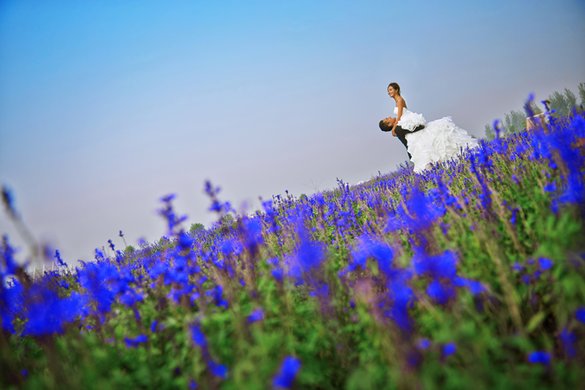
[426, 143]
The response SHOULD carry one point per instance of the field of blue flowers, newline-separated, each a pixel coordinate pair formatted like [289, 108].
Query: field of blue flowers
[470, 275]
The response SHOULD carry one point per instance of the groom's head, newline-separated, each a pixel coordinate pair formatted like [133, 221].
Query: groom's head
[386, 124]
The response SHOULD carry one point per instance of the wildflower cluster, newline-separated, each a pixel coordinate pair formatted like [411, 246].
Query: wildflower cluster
[471, 271]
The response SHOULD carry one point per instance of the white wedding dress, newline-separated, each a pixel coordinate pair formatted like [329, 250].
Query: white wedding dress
[440, 140]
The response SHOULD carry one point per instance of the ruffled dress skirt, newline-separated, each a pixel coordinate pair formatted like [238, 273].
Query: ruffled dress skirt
[440, 140]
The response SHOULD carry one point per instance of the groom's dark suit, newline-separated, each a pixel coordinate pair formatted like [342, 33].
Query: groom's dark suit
[400, 133]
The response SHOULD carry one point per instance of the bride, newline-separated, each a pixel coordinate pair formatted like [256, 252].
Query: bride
[427, 143]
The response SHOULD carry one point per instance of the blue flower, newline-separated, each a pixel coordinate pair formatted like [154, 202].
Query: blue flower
[370, 247]
[228, 246]
[580, 314]
[517, 267]
[219, 370]
[96, 278]
[383, 255]
[154, 326]
[539, 357]
[514, 216]
[545, 264]
[8, 200]
[218, 297]
[528, 105]
[253, 231]
[574, 193]
[278, 274]
[568, 340]
[59, 259]
[168, 213]
[197, 336]
[256, 315]
[99, 255]
[403, 298]
[7, 252]
[63, 284]
[130, 298]
[473, 286]
[321, 290]
[288, 372]
[47, 313]
[424, 344]
[440, 266]
[185, 241]
[439, 292]
[448, 349]
[310, 255]
[133, 343]
[497, 127]
[550, 187]
[420, 212]
[168, 198]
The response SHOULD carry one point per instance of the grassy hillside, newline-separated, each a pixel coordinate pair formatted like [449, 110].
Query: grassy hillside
[471, 275]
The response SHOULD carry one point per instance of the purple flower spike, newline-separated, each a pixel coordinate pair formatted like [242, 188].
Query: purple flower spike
[539, 357]
[168, 198]
[59, 259]
[8, 201]
[288, 371]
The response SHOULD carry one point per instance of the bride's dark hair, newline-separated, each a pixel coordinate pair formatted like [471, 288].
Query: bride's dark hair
[395, 86]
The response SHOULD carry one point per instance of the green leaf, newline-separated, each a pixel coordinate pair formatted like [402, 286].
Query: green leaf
[535, 321]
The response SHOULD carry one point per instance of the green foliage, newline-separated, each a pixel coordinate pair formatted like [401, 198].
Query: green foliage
[563, 103]
[196, 228]
[581, 89]
[129, 250]
[490, 134]
[514, 121]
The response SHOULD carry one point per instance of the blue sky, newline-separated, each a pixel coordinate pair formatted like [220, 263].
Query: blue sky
[106, 106]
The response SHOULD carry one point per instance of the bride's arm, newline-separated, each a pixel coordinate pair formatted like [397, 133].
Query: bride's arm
[400, 106]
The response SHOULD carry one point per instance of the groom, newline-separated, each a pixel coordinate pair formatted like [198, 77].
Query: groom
[387, 124]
